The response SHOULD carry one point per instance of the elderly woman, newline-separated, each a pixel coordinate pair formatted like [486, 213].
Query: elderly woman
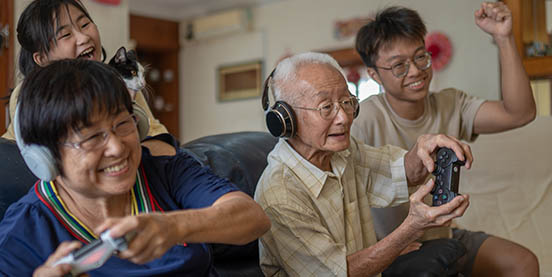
[81, 113]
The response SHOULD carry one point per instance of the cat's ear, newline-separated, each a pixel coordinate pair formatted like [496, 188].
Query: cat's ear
[40, 59]
[121, 56]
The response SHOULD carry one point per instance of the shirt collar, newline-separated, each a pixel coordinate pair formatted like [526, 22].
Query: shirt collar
[313, 177]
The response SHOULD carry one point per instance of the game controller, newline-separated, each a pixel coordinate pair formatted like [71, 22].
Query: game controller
[447, 176]
[95, 254]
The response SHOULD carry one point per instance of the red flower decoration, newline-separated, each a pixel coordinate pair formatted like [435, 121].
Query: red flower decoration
[441, 49]
[353, 76]
[109, 2]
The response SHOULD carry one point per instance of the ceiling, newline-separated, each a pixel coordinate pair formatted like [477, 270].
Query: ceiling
[186, 9]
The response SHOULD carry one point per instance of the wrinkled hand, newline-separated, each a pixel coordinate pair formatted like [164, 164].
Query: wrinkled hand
[155, 234]
[421, 216]
[419, 161]
[494, 18]
[47, 269]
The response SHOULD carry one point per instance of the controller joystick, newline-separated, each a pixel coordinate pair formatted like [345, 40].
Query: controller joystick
[447, 176]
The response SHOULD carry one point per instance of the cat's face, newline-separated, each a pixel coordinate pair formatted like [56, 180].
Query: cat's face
[133, 73]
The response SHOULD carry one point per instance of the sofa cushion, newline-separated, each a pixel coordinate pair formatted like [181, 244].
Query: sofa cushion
[510, 188]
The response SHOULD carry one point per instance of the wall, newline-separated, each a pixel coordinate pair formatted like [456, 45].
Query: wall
[112, 22]
[306, 25]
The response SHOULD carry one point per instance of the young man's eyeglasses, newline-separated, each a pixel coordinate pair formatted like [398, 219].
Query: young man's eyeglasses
[329, 110]
[400, 69]
[122, 128]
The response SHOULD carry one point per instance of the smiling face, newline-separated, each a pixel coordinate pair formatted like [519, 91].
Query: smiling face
[317, 138]
[104, 172]
[409, 89]
[76, 36]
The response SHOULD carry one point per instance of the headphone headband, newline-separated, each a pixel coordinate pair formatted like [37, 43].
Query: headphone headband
[265, 100]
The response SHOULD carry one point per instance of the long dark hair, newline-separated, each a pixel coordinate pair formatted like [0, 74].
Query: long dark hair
[35, 29]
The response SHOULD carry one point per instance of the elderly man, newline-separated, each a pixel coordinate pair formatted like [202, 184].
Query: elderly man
[320, 182]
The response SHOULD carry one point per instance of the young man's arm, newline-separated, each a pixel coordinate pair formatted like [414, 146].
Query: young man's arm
[517, 107]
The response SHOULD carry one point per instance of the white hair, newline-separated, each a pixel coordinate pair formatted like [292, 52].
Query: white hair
[285, 74]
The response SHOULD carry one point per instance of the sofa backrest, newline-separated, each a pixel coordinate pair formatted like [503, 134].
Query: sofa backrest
[240, 157]
[15, 177]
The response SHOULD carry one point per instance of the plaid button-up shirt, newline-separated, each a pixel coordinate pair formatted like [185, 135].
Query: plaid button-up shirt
[320, 217]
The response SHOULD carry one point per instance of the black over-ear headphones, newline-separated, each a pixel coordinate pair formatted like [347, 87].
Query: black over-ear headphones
[280, 118]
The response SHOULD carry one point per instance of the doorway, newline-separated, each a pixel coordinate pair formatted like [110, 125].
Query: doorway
[157, 46]
[6, 59]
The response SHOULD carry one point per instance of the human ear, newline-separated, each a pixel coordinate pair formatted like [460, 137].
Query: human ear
[374, 75]
[40, 59]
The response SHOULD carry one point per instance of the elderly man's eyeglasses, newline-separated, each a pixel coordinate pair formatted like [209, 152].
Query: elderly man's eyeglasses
[400, 69]
[122, 128]
[329, 110]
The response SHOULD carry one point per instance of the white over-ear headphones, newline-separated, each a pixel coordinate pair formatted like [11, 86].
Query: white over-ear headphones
[40, 159]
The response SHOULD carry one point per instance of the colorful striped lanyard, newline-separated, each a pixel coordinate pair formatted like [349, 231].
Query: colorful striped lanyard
[142, 201]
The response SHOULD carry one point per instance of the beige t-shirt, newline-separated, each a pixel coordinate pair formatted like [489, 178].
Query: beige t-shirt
[155, 128]
[449, 111]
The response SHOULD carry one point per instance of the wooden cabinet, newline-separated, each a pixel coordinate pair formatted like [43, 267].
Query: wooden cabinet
[525, 15]
[157, 45]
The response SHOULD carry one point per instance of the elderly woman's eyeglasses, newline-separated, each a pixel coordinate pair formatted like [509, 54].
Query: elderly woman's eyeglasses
[122, 128]
[329, 110]
[400, 69]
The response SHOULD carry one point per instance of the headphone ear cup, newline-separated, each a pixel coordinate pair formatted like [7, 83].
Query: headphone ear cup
[40, 161]
[143, 121]
[281, 120]
[38, 158]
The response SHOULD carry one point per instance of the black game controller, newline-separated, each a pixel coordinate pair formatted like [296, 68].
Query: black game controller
[447, 176]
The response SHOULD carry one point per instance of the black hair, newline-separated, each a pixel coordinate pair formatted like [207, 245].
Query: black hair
[63, 96]
[35, 29]
[390, 24]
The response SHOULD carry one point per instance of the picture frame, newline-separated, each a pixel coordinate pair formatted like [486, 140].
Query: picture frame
[239, 81]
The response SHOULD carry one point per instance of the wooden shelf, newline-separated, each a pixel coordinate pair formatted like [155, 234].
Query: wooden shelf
[536, 67]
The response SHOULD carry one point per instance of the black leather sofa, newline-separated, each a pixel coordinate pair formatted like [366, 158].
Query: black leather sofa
[240, 157]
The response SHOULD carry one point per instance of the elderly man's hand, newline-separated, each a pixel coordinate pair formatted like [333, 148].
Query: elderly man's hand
[421, 216]
[47, 269]
[419, 161]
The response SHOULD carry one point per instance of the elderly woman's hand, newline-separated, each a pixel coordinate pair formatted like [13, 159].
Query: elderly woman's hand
[155, 234]
[47, 269]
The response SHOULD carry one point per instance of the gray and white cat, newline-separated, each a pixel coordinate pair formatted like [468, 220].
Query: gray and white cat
[132, 71]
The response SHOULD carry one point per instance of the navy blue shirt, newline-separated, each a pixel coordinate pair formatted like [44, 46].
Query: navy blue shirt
[29, 231]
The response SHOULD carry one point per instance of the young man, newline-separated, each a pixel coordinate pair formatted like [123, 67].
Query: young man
[392, 47]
